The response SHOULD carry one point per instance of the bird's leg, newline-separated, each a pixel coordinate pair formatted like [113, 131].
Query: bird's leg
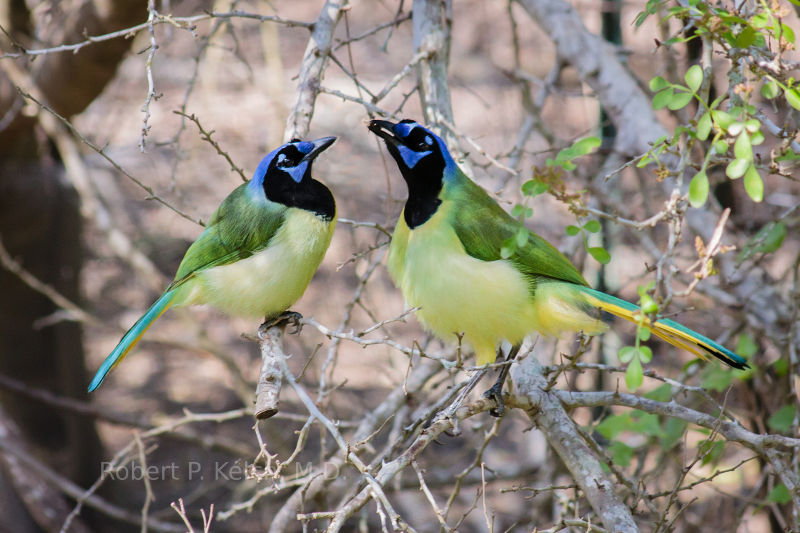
[285, 318]
[496, 391]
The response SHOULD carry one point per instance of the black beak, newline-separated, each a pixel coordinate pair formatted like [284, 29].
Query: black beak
[320, 145]
[385, 130]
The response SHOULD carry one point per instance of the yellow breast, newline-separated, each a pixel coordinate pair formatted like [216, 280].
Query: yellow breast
[268, 282]
[487, 301]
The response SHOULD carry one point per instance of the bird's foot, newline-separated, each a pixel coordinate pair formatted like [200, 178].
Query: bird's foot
[496, 393]
[286, 318]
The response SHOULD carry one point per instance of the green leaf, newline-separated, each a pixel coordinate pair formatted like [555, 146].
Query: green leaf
[779, 494]
[721, 146]
[634, 376]
[672, 433]
[663, 98]
[712, 450]
[621, 454]
[716, 379]
[534, 187]
[770, 90]
[626, 354]
[767, 240]
[781, 367]
[662, 393]
[783, 419]
[646, 424]
[522, 237]
[788, 33]
[585, 146]
[704, 126]
[679, 100]
[694, 77]
[698, 189]
[753, 184]
[746, 346]
[774, 234]
[593, 226]
[572, 230]
[792, 96]
[648, 304]
[722, 119]
[742, 148]
[613, 425]
[643, 333]
[600, 254]
[658, 83]
[643, 289]
[759, 21]
[752, 125]
[645, 354]
[508, 248]
[737, 168]
[746, 38]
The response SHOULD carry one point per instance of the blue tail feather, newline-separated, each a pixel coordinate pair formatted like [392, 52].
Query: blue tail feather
[130, 338]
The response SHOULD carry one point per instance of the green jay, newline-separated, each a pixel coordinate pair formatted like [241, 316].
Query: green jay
[445, 256]
[260, 248]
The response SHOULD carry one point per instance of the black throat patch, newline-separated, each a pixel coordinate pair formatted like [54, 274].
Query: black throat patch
[309, 194]
[424, 184]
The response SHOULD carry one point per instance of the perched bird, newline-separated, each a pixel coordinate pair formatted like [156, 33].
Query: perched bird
[445, 256]
[260, 249]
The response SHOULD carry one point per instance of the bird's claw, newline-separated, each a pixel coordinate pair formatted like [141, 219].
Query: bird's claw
[496, 393]
[286, 318]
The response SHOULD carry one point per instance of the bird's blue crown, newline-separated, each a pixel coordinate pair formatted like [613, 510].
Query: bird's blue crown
[411, 157]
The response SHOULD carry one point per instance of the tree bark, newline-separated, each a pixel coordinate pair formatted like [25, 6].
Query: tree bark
[41, 226]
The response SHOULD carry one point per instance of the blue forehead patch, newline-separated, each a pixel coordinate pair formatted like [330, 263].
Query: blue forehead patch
[303, 146]
[403, 129]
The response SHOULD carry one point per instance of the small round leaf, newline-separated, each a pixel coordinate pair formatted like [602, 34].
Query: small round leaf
[770, 90]
[658, 83]
[679, 100]
[742, 148]
[753, 184]
[634, 377]
[694, 77]
[704, 127]
[698, 189]
[737, 168]
[661, 99]
[792, 96]
[593, 226]
[600, 254]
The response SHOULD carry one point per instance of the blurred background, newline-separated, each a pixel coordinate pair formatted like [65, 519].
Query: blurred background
[90, 241]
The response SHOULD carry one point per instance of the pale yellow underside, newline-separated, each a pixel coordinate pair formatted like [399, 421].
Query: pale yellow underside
[487, 301]
[268, 282]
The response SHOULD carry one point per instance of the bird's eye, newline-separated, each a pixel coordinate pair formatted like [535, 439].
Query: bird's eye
[425, 143]
[284, 161]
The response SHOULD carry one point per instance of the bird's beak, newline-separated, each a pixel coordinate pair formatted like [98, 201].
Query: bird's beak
[385, 130]
[320, 145]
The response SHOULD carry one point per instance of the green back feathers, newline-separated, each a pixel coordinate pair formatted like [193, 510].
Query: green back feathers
[248, 226]
[483, 226]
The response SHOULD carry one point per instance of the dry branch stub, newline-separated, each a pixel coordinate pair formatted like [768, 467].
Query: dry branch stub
[270, 378]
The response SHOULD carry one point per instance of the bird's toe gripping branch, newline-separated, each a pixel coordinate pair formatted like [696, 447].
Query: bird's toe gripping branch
[286, 318]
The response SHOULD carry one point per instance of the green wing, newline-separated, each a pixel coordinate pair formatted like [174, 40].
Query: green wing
[239, 228]
[482, 226]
